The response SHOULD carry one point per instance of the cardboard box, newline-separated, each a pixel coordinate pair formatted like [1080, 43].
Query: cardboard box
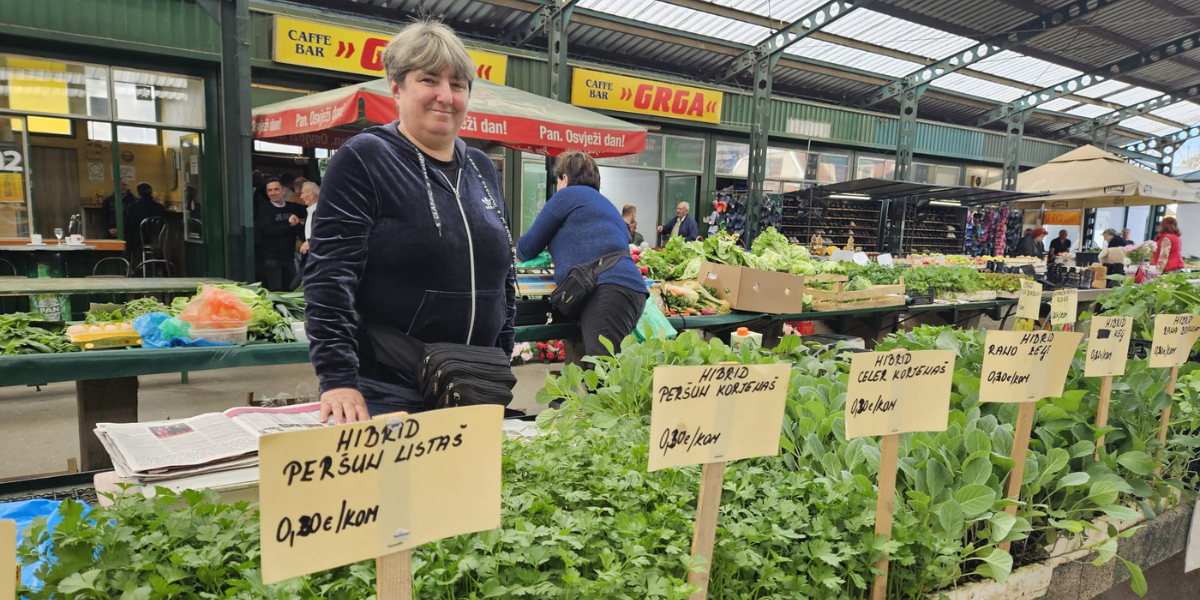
[754, 290]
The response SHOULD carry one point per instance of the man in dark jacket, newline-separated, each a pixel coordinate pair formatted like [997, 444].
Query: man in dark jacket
[277, 226]
[683, 225]
[109, 209]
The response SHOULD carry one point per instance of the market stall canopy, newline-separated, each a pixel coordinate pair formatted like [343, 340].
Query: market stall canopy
[498, 113]
[1089, 177]
[873, 188]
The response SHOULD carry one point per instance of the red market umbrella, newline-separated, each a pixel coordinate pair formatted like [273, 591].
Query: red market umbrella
[498, 113]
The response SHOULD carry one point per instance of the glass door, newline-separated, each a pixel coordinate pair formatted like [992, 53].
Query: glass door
[189, 169]
[15, 219]
[678, 189]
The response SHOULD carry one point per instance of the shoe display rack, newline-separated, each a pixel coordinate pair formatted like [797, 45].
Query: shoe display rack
[834, 220]
[933, 229]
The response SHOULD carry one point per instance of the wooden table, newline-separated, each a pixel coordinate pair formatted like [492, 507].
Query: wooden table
[14, 286]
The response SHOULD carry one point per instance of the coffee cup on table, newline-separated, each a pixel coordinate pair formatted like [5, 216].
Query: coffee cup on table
[35, 239]
[75, 240]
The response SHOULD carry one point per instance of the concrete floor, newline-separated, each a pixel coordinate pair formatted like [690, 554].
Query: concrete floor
[39, 431]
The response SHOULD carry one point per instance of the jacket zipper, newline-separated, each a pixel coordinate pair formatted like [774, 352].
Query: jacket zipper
[471, 252]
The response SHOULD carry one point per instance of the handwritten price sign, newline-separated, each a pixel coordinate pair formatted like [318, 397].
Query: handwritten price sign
[898, 392]
[1108, 346]
[1029, 303]
[337, 495]
[716, 413]
[1064, 305]
[1174, 336]
[1026, 366]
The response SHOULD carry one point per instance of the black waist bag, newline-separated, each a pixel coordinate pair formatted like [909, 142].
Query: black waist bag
[446, 374]
[580, 281]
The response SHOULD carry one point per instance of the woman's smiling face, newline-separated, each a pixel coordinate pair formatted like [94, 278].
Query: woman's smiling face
[432, 106]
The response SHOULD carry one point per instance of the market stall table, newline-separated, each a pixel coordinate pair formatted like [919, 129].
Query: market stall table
[12, 286]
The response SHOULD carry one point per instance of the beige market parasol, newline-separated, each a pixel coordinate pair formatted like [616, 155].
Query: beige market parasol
[1089, 177]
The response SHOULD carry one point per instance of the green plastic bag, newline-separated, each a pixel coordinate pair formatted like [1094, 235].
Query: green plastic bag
[540, 261]
[654, 323]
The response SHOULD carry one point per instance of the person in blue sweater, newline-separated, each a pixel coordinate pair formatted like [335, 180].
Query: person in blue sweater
[682, 225]
[410, 234]
[580, 225]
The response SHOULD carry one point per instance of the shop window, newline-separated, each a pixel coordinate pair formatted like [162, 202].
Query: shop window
[879, 168]
[150, 97]
[785, 164]
[733, 160]
[833, 168]
[651, 157]
[14, 200]
[51, 87]
[935, 174]
[102, 132]
[684, 154]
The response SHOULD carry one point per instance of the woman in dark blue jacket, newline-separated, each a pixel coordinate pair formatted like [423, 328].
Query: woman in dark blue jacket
[410, 234]
[580, 225]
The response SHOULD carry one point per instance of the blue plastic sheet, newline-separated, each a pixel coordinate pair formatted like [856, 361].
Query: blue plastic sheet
[24, 513]
[152, 328]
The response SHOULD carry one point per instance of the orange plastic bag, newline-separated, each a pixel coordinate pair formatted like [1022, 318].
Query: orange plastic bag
[214, 308]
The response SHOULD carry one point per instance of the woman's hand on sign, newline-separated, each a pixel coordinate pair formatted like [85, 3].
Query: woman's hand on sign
[345, 405]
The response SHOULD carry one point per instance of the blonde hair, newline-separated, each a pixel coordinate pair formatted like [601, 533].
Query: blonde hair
[427, 45]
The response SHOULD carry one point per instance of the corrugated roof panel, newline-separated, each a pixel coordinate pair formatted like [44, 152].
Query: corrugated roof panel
[784, 10]
[1059, 104]
[1133, 96]
[898, 34]
[1183, 112]
[1089, 110]
[1144, 124]
[683, 19]
[1143, 22]
[1102, 89]
[852, 57]
[978, 87]
[1025, 69]
[979, 16]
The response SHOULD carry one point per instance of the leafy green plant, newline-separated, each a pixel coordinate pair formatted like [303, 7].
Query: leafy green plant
[32, 333]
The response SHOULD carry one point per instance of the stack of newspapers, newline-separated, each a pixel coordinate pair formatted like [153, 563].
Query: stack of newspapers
[208, 443]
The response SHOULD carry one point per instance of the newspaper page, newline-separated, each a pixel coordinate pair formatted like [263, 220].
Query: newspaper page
[262, 421]
[164, 444]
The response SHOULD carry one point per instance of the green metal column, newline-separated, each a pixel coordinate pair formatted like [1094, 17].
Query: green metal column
[233, 17]
[556, 32]
[760, 128]
[1100, 136]
[906, 135]
[1015, 128]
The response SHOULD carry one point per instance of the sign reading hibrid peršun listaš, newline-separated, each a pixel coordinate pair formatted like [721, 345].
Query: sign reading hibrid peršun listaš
[716, 413]
[342, 494]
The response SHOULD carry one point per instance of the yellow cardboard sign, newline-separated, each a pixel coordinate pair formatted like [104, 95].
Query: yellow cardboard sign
[12, 187]
[1029, 303]
[899, 392]
[337, 495]
[8, 559]
[323, 46]
[1108, 346]
[595, 89]
[716, 413]
[1064, 307]
[1026, 366]
[1174, 336]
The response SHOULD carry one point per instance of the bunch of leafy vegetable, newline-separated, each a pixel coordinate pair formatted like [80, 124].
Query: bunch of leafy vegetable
[942, 281]
[1001, 282]
[876, 273]
[32, 333]
[679, 259]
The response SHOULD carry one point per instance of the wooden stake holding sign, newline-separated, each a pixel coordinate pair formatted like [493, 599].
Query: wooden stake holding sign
[1029, 305]
[10, 570]
[1108, 348]
[1064, 309]
[1024, 367]
[1174, 336]
[336, 495]
[891, 393]
[710, 415]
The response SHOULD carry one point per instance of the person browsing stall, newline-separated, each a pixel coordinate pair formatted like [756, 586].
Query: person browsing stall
[580, 226]
[1031, 244]
[682, 224]
[1168, 256]
[410, 236]
[1060, 244]
[277, 226]
[1114, 249]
